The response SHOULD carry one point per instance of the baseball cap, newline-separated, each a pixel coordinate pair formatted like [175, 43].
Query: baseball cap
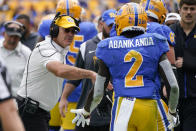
[66, 22]
[11, 29]
[108, 16]
[172, 16]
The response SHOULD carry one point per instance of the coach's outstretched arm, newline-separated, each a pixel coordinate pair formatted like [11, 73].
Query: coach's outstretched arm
[69, 72]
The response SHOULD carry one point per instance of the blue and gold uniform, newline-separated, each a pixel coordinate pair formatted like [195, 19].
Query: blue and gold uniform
[165, 31]
[136, 93]
[154, 27]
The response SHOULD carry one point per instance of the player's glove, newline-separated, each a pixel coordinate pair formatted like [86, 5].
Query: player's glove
[173, 119]
[82, 116]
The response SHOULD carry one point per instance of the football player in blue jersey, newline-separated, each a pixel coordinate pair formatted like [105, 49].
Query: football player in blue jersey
[156, 12]
[87, 31]
[131, 60]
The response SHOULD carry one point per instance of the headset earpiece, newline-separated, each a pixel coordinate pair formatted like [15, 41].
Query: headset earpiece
[54, 29]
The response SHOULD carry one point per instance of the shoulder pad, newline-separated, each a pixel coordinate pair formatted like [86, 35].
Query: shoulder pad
[103, 43]
[159, 37]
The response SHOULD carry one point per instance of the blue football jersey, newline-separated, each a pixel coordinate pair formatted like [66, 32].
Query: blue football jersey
[164, 30]
[133, 63]
[154, 27]
[87, 31]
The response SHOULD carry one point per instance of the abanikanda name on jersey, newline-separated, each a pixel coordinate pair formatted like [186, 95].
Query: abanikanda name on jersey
[131, 43]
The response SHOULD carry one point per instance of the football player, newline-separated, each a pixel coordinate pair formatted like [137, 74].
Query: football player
[132, 59]
[156, 11]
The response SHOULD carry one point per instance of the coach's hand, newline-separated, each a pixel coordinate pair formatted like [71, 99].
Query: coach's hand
[63, 104]
[173, 119]
[82, 116]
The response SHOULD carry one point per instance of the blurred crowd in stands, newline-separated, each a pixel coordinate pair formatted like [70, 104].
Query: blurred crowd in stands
[36, 9]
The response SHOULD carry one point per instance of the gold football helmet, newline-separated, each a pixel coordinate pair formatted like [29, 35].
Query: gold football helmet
[70, 8]
[155, 9]
[130, 16]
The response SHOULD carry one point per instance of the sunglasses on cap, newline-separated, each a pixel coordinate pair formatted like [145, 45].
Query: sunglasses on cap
[72, 30]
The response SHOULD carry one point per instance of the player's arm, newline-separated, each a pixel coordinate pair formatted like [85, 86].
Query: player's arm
[169, 78]
[96, 93]
[171, 41]
[171, 55]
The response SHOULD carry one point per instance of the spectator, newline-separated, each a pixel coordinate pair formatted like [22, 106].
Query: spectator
[185, 51]
[41, 85]
[14, 52]
[100, 117]
[29, 38]
[136, 105]
[172, 18]
[10, 119]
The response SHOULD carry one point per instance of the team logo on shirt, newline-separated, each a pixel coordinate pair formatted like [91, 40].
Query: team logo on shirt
[94, 59]
[171, 35]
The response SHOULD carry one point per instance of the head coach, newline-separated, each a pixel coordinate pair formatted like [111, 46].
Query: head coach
[41, 85]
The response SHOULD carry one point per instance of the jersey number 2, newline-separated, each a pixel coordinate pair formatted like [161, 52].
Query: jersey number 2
[129, 81]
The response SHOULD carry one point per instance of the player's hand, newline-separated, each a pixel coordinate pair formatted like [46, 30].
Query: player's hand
[173, 119]
[82, 116]
[63, 107]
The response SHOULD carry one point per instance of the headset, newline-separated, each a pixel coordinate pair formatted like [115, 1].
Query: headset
[54, 29]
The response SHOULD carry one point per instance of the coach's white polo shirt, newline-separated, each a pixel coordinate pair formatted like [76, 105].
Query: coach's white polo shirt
[42, 85]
